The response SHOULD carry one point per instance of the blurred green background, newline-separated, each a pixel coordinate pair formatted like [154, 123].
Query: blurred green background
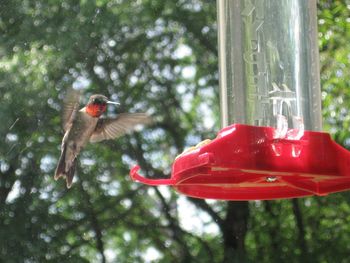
[160, 57]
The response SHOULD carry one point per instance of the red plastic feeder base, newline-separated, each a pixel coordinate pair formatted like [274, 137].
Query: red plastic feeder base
[249, 163]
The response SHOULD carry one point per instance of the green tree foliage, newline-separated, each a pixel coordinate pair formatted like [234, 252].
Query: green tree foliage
[159, 57]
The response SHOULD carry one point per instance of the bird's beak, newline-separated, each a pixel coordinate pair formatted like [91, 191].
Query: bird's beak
[112, 102]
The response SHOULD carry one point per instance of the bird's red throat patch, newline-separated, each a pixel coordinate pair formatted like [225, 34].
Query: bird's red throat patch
[96, 110]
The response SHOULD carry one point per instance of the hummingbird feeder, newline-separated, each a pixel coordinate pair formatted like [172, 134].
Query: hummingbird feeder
[271, 146]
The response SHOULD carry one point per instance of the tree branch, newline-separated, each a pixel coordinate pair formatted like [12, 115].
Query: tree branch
[202, 204]
[94, 222]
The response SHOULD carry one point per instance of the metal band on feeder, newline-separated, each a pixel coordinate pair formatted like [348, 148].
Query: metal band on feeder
[270, 145]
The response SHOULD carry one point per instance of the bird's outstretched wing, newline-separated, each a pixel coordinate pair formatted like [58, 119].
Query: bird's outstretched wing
[112, 128]
[70, 107]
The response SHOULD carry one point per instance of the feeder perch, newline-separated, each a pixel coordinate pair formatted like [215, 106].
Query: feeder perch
[271, 146]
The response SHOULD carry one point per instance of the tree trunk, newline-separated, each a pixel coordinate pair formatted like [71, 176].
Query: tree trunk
[301, 231]
[235, 229]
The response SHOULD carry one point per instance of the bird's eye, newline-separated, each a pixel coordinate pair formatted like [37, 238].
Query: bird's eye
[98, 101]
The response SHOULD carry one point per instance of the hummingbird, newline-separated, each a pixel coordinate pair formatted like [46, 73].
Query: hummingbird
[85, 125]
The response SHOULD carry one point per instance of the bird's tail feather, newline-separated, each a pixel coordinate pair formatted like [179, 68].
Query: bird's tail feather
[70, 174]
[60, 170]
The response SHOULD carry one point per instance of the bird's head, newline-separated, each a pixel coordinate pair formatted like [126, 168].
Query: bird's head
[97, 105]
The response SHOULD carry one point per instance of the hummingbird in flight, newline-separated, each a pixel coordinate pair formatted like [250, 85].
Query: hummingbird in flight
[85, 125]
